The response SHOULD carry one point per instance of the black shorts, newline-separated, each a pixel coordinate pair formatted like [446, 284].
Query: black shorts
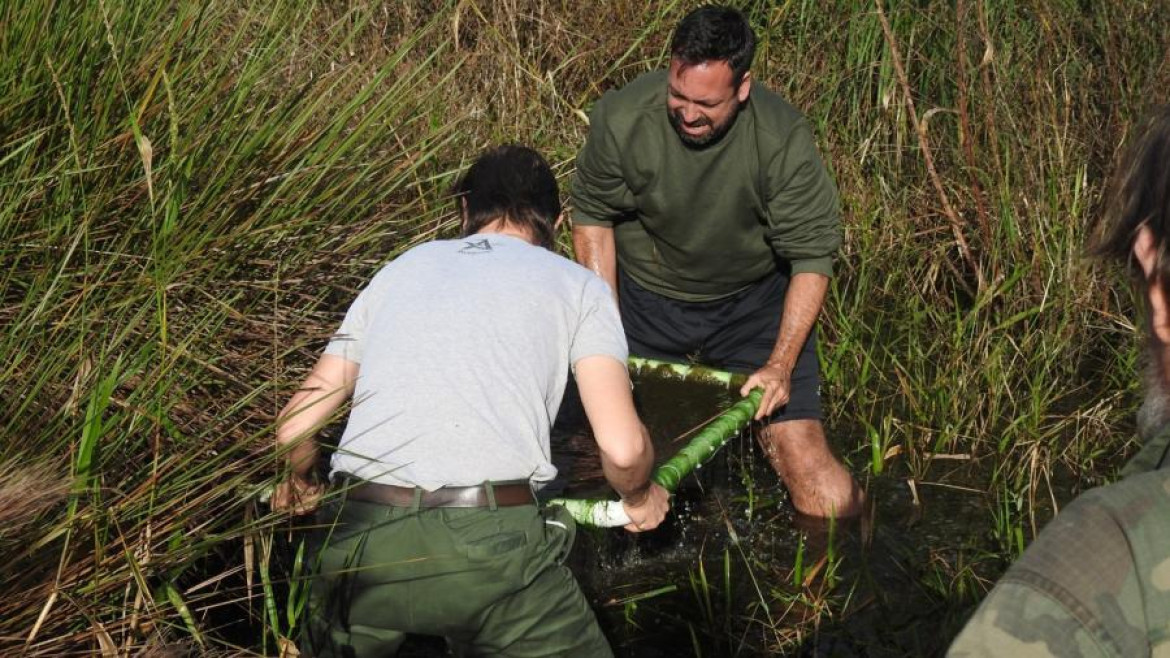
[736, 334]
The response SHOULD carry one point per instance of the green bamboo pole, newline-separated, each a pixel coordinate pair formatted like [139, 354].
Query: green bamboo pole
[602, 513]
[691, 373]
[708, 441]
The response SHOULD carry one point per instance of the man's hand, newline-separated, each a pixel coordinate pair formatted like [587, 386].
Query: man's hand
[776, 380]
[648, 510]
[802, 304]
[296, 495]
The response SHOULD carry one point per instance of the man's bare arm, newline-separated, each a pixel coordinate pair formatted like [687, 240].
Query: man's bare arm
[627, 455]
[596, 249]
[802, 305]
[330, 383]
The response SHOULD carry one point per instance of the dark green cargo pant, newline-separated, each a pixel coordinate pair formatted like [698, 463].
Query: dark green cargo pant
[491, 581]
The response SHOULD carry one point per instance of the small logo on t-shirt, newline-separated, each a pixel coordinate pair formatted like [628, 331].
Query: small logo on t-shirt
[476, 247]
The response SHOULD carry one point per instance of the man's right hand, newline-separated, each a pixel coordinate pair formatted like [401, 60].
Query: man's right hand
[648, 512]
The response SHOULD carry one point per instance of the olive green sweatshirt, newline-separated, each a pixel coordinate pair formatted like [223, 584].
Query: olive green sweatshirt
[700, 224]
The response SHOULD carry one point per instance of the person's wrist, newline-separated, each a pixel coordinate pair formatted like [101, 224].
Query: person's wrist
[637, 496]
[781, 362]
[303, 481]
[301, 468]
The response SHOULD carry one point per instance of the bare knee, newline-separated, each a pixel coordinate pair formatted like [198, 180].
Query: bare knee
[818, 483]
[796, 445]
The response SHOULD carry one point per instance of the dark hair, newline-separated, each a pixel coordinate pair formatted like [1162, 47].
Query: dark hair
[512, 183]
[1140, 195]
[715, 34]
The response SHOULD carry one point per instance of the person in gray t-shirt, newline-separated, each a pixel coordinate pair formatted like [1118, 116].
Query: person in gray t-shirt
[457, 355]
[447, 395]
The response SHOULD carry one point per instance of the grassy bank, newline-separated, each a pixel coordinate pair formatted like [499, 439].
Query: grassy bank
[190, 193]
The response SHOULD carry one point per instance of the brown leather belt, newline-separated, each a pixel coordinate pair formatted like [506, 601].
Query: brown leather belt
[505, 494]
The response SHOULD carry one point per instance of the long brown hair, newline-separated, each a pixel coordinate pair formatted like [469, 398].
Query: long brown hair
[1139, 194]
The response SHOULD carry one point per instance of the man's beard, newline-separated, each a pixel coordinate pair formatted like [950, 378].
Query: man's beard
[714, 135]
[1154, 414]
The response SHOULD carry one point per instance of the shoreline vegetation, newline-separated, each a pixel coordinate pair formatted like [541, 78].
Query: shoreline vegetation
[190, 191]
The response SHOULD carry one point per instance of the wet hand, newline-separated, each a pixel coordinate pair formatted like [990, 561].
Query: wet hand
[296, 495]
[648, 512]
[776, 380]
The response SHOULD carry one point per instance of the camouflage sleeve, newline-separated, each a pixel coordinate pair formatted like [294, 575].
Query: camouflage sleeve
[1155, 453]
[1017, 620]
[1096, 582]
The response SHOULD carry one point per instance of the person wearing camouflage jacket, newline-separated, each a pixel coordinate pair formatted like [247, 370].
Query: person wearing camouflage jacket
[1096, 582]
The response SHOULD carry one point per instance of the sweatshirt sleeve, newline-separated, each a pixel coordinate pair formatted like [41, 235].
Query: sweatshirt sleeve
[803, 205]
[598, 190]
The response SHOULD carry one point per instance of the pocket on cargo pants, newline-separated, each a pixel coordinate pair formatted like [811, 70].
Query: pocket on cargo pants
[560, 531]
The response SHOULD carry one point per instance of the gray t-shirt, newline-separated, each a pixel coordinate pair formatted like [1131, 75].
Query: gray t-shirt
[465, 347]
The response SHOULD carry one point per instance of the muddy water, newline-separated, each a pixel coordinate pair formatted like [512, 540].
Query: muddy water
[718, 578]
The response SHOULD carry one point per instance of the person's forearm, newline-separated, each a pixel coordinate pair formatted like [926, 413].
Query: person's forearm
[627, 455]
[323, 391]
[596, 249]
[802, 305]
[629, 473]
[299, 421]
[303, 457]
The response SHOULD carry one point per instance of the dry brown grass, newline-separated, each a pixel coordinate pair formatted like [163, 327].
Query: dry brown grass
[26, 492]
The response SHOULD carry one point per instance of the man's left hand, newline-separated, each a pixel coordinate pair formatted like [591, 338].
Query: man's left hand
[776, 380]
[296, 495]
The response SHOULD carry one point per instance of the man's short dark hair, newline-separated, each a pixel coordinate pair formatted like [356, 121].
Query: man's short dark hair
[715, 34]
[513, 183]
[1140, 195]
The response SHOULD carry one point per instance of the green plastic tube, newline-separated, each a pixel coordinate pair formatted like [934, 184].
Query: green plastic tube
[602, 513]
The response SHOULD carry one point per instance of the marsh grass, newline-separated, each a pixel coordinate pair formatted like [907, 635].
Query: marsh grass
[190, 193]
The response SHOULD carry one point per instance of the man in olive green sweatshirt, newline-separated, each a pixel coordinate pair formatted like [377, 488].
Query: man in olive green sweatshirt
[701, 199]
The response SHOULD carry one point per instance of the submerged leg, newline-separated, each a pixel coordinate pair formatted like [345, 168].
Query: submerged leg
[819, 484]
